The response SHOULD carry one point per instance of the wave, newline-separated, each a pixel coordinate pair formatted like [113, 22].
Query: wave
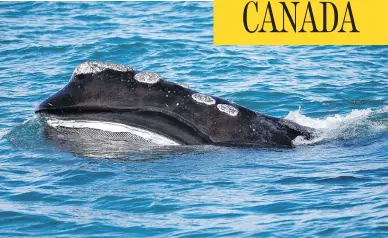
[354, 124]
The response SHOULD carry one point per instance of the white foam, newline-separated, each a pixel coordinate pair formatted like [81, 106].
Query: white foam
[97, 67]
[113, 127]
[356, 123]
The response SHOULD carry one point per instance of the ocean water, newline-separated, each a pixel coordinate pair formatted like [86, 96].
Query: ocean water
[335, 186]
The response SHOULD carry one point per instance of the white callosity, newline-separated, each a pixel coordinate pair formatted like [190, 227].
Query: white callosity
[203, 98]
[228, 109]
[97, 67]
[147, 77]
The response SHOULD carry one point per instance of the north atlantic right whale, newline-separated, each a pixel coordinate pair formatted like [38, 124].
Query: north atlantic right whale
[116, 98]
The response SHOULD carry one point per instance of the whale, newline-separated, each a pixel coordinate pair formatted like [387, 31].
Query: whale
[151, 110]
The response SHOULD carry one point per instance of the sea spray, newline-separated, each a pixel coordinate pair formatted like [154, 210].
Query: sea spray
[354, 124]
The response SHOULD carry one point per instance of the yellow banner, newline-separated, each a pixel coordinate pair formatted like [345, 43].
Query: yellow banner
[293, 22]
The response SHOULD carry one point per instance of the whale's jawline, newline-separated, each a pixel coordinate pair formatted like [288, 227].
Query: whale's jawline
[110, 128]
[154, 121]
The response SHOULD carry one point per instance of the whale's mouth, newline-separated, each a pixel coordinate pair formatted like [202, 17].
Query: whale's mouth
[111, 131]
[144, 126]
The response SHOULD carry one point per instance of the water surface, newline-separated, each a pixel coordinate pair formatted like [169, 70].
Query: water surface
[337, 186]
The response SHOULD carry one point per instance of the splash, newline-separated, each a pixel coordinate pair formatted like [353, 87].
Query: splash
[355, 124]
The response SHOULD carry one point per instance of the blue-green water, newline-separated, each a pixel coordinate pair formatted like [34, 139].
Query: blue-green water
[336, 187]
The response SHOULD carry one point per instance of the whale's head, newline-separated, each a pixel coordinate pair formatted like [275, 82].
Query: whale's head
[113, 93]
